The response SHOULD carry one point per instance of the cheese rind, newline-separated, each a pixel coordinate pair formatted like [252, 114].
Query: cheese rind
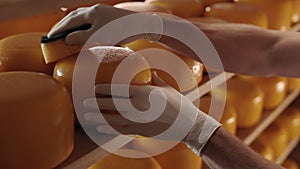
[64, 68]
[228, 116]
[22, 52]
[37, 121]
[58, 49]
[246, 98]
[274, 88]
[182, 82]
[179, 156]
[113, 161]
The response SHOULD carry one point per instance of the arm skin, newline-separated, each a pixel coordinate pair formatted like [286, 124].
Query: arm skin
[224, 151]
[250, 50]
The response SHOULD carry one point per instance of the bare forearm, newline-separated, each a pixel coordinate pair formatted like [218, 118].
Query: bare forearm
[243, 49]
[285, 54]
[225, 151]
[246, 49]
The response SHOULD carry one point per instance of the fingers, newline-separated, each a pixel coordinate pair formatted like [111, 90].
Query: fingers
[134, 129]
[105, 129]
[106, 119]
[105, 103]
[157, 80]
[79, 37]
[72, 20]
[119, 90]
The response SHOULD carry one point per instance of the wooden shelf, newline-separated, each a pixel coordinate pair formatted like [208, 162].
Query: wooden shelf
[206, 85]
[248, 135]
[292, 145]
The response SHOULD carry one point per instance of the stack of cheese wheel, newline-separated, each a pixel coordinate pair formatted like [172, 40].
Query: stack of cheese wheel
[290, 164]
[22, 52]
[142, 7]
[264, 150]
[279, 12]
[290, 120]
[181, 8]
[37, 121]
[238, 13]
[274, 88]
[275, 136]
[184, 84]
[229, 115]
[245, 97]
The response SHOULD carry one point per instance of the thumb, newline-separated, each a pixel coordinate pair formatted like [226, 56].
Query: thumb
[158, 81]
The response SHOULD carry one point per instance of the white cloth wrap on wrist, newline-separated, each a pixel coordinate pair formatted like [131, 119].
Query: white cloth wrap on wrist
[203, 128]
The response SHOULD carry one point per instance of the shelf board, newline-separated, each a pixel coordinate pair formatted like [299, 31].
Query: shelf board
[291, 146]
[206, 85]
[248, 135]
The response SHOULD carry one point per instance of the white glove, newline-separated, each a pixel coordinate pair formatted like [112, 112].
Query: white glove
[194, 127]
[97, 15]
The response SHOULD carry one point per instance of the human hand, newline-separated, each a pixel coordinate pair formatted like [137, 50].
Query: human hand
[148, 117]
[97, 15]
[158, 105]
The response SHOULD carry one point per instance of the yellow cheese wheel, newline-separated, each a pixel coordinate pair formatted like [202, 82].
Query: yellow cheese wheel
[238, 13]
[114, 161]
[179, 157]
[279, 12]
[64, 68]
[22, 52]
[296, 11]
[274, 88]
[229, 116]
[181, 8]
[37, 23]
[290, 120]
[290, 164]
[293, 84]
[246, 98]
[37, 121]
[142, 7]
[184, 84]
[264, 150]
[275, 136]
[58, 49]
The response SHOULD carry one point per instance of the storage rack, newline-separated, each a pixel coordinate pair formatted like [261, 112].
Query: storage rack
[87, 152]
